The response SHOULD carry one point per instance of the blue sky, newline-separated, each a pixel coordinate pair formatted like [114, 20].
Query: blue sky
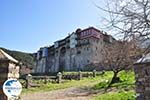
[27, 25]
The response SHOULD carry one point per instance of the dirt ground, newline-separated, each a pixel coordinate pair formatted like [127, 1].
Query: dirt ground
[73, 93]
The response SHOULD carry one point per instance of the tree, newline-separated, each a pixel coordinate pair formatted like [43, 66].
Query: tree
[131, 18]
[118, 56]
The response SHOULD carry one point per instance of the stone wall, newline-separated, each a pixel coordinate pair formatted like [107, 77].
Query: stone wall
[40, 65]
[142, 75]
[13, 71]
[7, 70]
[72, 59]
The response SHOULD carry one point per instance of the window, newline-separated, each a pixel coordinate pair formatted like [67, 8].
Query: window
[95, 48]
[87, 48]
[95, 54]
[97, 41]
[84, 48]
[40, 54]
[88, 61]
[78, 52]
[56, 51]
[88, 40]
[85, 41]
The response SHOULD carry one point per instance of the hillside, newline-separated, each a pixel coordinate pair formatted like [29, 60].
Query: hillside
[25, 58]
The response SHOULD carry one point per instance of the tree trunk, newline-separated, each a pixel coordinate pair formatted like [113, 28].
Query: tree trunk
[113, 80]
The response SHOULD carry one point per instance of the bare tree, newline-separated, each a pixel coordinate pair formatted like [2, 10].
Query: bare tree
[130, 17]
[118, 56]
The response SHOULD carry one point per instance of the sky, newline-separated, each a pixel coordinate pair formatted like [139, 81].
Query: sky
[27, 25]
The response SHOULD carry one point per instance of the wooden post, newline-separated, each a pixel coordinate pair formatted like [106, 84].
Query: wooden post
[59, 77]
[45, 79]
[79, 75]
[28, 80]
[94, 73]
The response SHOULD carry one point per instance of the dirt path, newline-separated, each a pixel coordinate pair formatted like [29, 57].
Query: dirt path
[73, 93]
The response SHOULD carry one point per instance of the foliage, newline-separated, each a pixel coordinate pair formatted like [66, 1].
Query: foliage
[127, 76]
[121, 95]
[118, 56]
[85, 82]
[127, 80]
[122, 90]
[101, 85]
[105, 79]
[25, 58]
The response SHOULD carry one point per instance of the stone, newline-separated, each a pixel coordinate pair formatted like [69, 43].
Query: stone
[73, 53]
[8, 69]
[142, 73]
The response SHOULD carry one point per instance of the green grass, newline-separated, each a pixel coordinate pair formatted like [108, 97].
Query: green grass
[122, 95]
[105, 79]
[123, 90]
[70, 83]
[127, 80]
[73, 83]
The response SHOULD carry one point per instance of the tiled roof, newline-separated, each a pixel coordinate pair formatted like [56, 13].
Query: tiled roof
[5, 56]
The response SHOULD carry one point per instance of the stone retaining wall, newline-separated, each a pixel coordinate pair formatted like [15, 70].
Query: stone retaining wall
[142, 75]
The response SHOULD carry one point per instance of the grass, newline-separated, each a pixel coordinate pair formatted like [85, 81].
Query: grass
[105, 78]
[127, 80]
[121, 95]
[73, 83]
[70, 83]
[123, 90]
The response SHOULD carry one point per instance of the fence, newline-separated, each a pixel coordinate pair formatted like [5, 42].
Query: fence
[59, 77]
[30, 80]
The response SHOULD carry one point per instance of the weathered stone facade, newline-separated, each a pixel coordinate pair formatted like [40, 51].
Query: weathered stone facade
[142, 75]
[74, 53]
[8, 69]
